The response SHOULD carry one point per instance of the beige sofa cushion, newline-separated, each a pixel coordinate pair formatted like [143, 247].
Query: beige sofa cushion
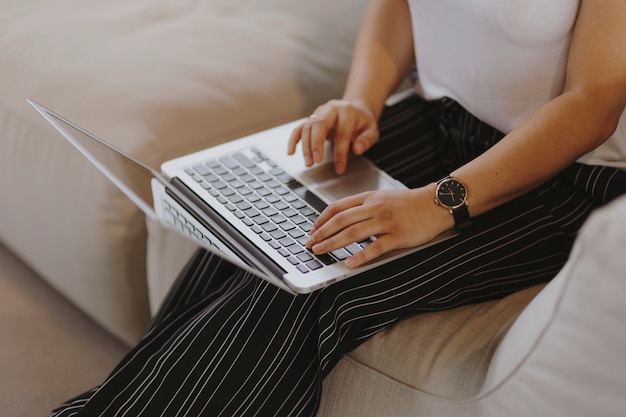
[565, 353]
[433, 364]
[158, 79]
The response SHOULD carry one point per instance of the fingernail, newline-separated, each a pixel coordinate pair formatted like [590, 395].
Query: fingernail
[339, 167]
[318, 248]
[358, 148]
[350, 262]
[310, 242]
[316, 156]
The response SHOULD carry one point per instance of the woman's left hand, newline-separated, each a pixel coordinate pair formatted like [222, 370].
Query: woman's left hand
[398, 218]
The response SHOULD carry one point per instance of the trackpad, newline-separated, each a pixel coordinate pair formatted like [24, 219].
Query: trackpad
[360, 176]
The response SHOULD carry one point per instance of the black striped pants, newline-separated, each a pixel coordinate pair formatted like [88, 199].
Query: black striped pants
[228, 344]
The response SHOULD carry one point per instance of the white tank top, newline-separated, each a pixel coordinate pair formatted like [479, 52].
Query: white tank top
[500, 59]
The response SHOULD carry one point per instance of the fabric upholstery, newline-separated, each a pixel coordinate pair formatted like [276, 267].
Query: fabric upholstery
[429, 364]
[158, 79]
[566, 351]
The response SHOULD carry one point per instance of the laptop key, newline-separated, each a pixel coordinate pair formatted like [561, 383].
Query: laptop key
[278, 234]
[243, 160]
[265, 177]
[284, 178]
[228, 177]
[236, 199]
[275, 184]
[229, 162]
[304, 257]
[202, 169]
[326, 259]
[244, 205]
[269, 227]
[227, 192]
[341, 254]
[275, 245]
[286, 242]
[277, 171]
[260, 220]
[313, 265]
[220, 170]
[274, 199]
[295, 249]
[261, 205]
[213, 163]
[298, 219]
[287, 226]
[252, 212]
[219, 185]
[354, 248]
[211, 178]
[296, 233]
[289, 212]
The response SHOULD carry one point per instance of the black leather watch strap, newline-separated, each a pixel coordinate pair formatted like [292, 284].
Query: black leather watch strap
[461, 217]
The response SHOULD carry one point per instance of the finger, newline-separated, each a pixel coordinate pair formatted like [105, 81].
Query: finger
[336, 208]
[364, 141]
[356, 232]
[347, 225]
[320, 127]
[343, 140]
[294, 139]
[305, 142]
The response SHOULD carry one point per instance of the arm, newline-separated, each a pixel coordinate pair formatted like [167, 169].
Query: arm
[383, 56]
[572, 124]
[575, 122]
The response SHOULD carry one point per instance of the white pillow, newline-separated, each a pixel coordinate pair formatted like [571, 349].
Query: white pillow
[565, 354]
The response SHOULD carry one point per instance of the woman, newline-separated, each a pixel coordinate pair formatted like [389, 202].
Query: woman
[550, 75]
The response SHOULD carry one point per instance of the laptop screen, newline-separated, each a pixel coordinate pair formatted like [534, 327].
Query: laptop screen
[130, 175]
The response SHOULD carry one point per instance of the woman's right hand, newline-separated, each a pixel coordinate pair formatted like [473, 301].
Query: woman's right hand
[350, 125]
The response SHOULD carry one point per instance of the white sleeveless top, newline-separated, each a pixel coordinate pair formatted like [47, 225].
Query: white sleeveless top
[500, 59]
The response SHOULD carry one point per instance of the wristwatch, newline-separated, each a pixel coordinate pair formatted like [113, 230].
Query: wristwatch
[451, 194]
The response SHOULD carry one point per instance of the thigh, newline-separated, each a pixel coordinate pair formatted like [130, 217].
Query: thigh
[226, 343]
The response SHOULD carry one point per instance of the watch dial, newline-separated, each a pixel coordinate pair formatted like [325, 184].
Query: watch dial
[451, 193]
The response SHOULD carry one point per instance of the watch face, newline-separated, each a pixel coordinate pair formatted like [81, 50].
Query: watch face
[451, 193]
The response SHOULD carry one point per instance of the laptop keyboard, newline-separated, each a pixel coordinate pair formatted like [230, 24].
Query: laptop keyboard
[270, 203]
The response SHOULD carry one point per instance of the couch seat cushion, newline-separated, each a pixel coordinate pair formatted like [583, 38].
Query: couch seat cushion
[433, 361]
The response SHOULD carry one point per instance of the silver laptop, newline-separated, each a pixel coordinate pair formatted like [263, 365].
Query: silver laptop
[245, 200]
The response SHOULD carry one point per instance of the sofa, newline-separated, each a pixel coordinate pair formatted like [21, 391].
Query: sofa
[160, 79]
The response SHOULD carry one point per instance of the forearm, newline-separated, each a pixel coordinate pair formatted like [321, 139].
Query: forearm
[547, 142]
[383, 54]
[567, 127]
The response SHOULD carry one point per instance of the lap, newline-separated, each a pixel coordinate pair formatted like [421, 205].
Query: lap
[223, 334]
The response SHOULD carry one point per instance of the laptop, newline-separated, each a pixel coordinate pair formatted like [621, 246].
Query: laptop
[245, 200]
